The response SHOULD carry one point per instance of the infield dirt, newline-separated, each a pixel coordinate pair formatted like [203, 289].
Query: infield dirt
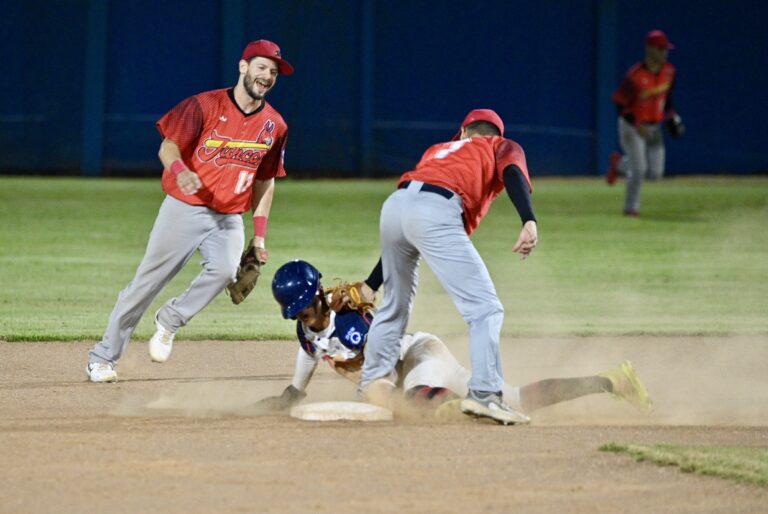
[183, 436]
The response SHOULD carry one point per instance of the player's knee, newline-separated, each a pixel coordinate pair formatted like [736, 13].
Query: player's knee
[483, 311]
[223, 274]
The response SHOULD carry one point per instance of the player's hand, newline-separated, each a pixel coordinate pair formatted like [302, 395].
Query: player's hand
[188, 182]
[643, 131]
[262, 255]
[290, 397]
[528, 239]
[369, 295]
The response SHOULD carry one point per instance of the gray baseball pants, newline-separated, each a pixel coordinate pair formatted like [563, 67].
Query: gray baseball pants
[642, 157]
[180, 229]
[418, 224]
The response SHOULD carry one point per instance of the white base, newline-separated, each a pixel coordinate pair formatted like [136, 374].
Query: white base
[335, 411]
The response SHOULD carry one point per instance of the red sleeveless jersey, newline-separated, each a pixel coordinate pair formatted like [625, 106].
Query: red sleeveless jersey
[472, 168]
[227, 148]
[644, 94]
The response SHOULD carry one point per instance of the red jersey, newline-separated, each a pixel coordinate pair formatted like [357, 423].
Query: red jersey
[472, 168]
[227, 148]
[644, 94]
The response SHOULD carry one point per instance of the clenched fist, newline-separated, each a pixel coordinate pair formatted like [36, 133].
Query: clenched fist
[188, 182]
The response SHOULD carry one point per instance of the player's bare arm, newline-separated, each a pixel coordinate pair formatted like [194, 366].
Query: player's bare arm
[261, 204]
[170, 156]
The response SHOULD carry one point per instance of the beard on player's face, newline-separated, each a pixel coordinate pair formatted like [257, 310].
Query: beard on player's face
[257, 88]
[259, 78]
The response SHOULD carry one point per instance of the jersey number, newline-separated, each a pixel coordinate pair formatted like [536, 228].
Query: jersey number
[442, 154]
[244, 182]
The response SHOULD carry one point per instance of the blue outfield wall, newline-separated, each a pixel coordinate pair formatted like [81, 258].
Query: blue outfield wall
[377, 81]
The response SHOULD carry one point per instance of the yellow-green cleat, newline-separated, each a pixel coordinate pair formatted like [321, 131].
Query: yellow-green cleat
[450, 411]
[627, 386]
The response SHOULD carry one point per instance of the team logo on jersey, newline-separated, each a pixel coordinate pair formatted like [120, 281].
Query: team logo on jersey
[353, 336]
[224, 150]
[265, 136]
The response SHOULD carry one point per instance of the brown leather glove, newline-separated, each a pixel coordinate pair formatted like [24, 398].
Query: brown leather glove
[247, 274]
[350, 296]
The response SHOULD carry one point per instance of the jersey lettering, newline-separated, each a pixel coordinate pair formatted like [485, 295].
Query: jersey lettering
[442, 154]
[224, 150]
[353, 336]
[244, 181]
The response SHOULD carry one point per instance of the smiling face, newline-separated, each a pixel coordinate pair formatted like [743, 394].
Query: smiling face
[258, 76]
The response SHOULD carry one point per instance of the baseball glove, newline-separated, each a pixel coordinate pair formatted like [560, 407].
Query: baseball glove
[675, 126]
[247, 274]
[349, 296]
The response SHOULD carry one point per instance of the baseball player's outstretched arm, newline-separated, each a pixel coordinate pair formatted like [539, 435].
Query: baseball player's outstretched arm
[294, 393]
[366, 291]
[517, 189]
[170, 156]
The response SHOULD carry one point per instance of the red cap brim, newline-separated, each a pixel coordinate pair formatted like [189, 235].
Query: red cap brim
[283, 67]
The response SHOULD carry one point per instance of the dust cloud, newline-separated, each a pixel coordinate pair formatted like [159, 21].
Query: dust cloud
[691, 380]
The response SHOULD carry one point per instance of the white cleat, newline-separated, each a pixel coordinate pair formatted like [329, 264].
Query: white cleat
[490, 405]
[101, 372]
[161, 344]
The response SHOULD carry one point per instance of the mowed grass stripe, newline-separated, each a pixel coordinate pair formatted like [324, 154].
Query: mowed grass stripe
[694, 263]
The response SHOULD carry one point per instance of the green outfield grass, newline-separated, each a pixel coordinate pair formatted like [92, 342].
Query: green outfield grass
[696, 262]
[746, 465]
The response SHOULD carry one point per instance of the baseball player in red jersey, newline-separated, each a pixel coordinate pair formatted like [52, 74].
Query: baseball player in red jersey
[430, 377]
[644, 101]
[432, 214]
[221, 152]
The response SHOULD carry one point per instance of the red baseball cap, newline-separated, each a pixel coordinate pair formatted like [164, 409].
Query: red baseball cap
[481, 115]
[268, 49]
[657, 39]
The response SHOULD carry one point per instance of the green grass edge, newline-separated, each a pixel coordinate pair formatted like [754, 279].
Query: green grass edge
[690, 460]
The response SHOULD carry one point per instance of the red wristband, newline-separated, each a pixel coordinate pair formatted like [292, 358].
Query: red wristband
[177, 167]
[259, 226]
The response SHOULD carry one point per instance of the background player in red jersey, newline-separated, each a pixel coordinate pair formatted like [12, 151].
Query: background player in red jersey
[436, 207]
[221, 152]
[644, 101]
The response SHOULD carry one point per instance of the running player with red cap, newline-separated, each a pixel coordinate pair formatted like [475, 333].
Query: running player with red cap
[644, 101]
[221, 152]
[434, 210]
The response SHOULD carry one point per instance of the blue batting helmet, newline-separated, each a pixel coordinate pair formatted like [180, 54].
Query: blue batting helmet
[294, 286]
